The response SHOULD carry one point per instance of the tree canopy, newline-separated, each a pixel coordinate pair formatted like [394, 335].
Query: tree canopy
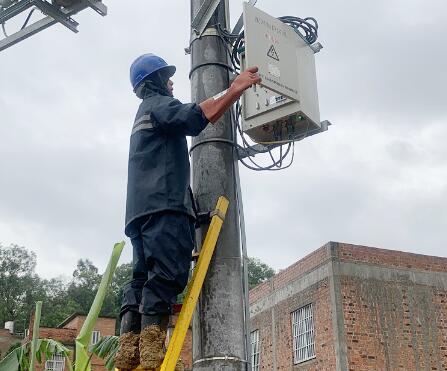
[258, 272]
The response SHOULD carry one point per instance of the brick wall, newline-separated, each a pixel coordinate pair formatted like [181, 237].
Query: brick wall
[275, 331]
[301, 267]
[392, 318]
[390, 258]
[319, 296]
[76, 322]
[41, 366]
[263, 323]
[106, 326]
[260, 291]
[63, 335]
[186, 353]
[394, 325]
[6, 340]
[68, 333]
[290, 274]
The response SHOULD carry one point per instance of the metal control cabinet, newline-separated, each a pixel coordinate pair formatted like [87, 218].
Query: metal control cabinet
[285, 105]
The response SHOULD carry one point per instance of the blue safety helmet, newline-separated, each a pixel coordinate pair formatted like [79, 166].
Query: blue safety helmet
[145, 65]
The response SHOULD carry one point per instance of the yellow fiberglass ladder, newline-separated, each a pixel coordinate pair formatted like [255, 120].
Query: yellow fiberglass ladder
[194, 287]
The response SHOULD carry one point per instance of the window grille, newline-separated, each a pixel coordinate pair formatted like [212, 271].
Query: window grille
[57, 363]
[303, 332]
[96, 336]
[255, 354]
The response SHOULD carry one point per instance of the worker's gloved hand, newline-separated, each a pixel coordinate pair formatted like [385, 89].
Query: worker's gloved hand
[246, 79]
[215, 107]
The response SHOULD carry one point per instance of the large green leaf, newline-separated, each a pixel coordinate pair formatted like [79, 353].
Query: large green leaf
[106, 349]
[19, 358]
[11, 361]
[83, 339]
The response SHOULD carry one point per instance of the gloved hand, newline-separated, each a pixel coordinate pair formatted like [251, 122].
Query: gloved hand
[214, 108]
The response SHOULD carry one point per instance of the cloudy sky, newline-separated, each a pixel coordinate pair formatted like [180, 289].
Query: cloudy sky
[378, 177]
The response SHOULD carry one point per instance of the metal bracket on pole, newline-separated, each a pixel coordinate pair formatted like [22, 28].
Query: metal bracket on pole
[97, 6]
[262, 148]
[14, 9]
[240, 22]
[54, 15]
[203, 16]
[57, 15]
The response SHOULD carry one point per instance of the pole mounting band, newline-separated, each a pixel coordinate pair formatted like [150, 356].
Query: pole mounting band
[220, 64]
[224, 358]
[210, 140]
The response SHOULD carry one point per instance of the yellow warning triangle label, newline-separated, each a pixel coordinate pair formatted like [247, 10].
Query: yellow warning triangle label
[273, 54]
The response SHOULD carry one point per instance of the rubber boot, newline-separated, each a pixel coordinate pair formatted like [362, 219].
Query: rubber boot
[152, 340]
[128, 355]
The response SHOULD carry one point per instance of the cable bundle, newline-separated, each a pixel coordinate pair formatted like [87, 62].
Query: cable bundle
[306, 28]
[277, 164]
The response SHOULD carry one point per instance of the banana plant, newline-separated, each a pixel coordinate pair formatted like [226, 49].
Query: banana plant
[106, 349]
[20, 358]
[83, 340]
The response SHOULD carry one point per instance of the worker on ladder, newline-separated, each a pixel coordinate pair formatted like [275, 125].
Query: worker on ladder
[159, 210]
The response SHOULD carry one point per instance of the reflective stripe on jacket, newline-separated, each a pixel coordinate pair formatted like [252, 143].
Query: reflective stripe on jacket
[159, 170]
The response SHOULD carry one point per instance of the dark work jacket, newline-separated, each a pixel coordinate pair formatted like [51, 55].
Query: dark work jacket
[159, 170]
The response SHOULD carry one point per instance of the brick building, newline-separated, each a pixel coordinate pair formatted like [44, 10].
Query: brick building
[186, 352]
[356, 308]
[8, 339]
[66, 333]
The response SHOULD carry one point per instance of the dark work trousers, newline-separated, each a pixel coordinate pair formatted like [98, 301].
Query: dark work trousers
[161, 261]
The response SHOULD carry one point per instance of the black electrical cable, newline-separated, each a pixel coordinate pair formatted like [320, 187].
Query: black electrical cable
[4, 30]
[197, 66]
[307, 25]
[276, 165]
[226, 33]
[279, 162]
[28, 18]
[229, 51]
[238, 48]
[24, 24]
[271, 169]
[307, 28]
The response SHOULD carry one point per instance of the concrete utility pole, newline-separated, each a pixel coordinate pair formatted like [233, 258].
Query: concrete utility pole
[218, 324]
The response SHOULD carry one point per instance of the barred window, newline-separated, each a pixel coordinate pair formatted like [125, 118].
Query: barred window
[96, 336]
[255, 350]
[57, 363]
[303, 334]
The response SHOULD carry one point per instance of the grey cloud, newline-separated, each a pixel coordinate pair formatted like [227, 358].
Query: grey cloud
[378, 177]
